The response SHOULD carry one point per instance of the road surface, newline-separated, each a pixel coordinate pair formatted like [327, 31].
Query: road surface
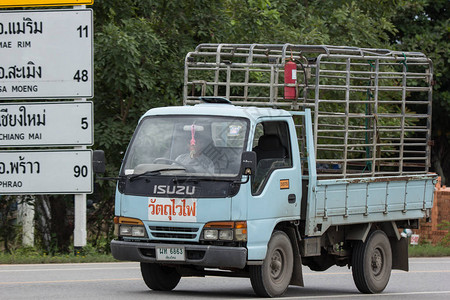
[429, 278]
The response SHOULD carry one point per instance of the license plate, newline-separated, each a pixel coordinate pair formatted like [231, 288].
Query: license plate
[170, 253]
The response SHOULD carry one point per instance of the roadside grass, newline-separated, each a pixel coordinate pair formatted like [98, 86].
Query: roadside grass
[54, 259]
[33, 256]
[427, 250]
[89, 255]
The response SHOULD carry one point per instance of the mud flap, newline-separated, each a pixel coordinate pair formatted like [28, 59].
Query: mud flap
[297, 274]
[399, 253]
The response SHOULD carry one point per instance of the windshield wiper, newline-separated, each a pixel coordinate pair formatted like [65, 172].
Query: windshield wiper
[154, 172]
[197, 179]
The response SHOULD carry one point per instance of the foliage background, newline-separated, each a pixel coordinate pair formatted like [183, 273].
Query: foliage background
[139, 59]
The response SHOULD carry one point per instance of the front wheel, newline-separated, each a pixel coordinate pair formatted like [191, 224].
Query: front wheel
[160, 278]
[372, 263]
[272, 278]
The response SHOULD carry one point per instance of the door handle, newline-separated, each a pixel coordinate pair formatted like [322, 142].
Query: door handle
[291, 198]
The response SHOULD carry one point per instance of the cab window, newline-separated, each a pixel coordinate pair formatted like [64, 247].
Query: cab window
[273, 151]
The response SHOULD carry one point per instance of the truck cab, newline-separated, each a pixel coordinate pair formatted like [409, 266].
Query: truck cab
[184, 200]
[182, 178]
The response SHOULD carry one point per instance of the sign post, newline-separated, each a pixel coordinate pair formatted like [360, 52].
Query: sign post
[79, 231]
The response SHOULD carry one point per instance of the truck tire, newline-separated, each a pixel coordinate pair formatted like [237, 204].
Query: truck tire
[372, 263]
[272, 278]
[159, 278]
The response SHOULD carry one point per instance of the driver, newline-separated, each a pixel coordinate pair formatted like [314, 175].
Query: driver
[195, 159]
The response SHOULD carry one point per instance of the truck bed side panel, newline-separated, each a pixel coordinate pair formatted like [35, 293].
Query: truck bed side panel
[352, 201]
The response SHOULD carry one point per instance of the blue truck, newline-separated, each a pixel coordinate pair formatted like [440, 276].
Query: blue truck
[245, 181]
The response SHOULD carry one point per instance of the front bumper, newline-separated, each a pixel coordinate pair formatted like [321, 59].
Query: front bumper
[199, 255]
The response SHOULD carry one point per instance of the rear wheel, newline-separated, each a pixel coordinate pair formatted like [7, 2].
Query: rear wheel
[372, 263]
[160, 278]
[272, 278]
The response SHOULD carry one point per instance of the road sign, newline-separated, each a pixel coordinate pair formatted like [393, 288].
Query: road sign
[415, 239]
[35, 3]
[46, 172]
[46, 124]
[46, 54]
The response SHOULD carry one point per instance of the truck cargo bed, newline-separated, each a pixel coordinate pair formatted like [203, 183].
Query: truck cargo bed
[366, 200]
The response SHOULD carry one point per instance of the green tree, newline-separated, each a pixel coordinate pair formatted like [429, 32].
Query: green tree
[425, 26]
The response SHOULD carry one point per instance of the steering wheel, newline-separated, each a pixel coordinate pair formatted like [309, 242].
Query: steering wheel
[222, 161]
[169, 161]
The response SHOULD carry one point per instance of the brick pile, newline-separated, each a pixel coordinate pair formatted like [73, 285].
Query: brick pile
[431, 232]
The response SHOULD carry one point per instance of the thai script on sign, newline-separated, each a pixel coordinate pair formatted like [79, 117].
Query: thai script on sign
[172, 209]
[22, 118]
[18, 72]
[26, 26]
[20, 167]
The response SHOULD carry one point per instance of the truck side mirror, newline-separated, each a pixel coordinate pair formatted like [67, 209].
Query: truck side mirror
[248, 165]
[98, 162]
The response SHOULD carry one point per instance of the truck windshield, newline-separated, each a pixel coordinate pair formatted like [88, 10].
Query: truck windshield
[187, 145]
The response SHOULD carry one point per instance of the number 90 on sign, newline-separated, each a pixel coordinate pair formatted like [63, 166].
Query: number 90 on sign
[80, 171]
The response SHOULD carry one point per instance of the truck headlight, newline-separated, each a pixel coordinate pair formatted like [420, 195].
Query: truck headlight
[225, 231]
[130, 227]
[132, 231]
[226, 235]
[138, 231]
[210, 234]
[125, 230]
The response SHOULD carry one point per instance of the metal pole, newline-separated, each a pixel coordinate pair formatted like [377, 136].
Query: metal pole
[80, 211]
[26, 219]
[80, 233]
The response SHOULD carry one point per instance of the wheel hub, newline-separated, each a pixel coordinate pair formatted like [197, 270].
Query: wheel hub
[377, 262]
[276, 264]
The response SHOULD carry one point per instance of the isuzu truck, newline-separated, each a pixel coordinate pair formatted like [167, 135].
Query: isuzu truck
[282, 156]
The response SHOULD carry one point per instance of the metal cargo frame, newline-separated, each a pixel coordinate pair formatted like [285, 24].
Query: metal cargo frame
[371, 107]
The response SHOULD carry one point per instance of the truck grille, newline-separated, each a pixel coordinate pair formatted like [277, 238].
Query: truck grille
[174, 232]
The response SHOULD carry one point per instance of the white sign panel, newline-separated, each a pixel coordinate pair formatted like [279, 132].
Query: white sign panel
[46, 54]
[46, 172]
[46, 124]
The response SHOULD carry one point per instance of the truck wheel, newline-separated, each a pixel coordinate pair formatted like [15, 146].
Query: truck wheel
[160, 278]
[372, 263]
[272, 278]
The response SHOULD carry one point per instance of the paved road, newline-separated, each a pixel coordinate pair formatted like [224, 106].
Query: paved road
[429, 278]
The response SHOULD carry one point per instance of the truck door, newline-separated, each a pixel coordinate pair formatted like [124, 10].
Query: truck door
[275, 188]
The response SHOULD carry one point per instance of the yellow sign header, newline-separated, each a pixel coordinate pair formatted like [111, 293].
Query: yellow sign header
[35, 3]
